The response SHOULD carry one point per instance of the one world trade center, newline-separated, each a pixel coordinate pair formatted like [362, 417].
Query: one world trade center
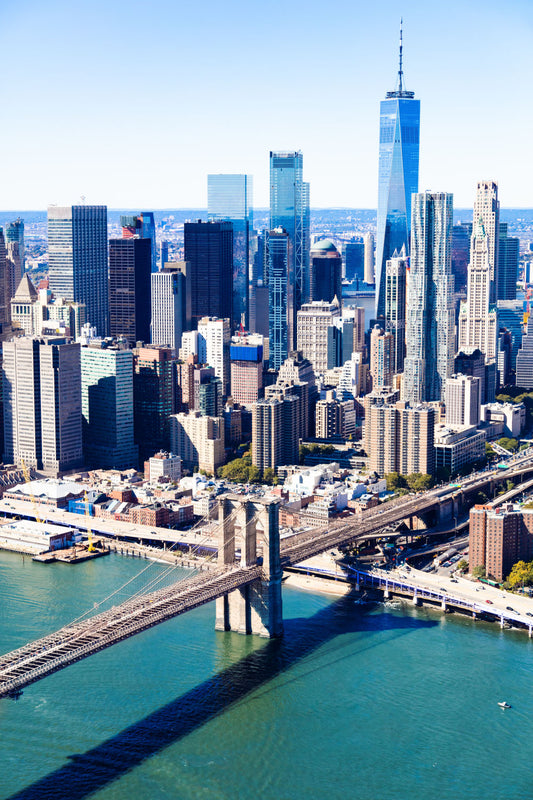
[399, 136]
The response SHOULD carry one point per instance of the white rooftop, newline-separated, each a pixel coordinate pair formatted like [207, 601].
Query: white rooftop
[50, 487]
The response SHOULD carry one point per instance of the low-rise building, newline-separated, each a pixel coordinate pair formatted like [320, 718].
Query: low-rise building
[456, 446]
[513, 416]
[26, 536]
[163, 467]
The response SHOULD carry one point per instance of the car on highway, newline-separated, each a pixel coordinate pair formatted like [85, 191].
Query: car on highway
[529, 614]
[489, 602]
[509, 608]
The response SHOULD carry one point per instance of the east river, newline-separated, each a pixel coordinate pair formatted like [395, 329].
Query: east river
[354, 702]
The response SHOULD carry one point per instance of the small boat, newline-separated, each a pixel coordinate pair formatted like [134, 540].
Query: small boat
[503, 704]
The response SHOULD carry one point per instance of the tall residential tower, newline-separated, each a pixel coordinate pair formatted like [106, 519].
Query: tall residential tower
[430, 322]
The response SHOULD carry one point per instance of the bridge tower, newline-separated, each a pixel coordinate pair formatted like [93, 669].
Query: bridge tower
[253, 527]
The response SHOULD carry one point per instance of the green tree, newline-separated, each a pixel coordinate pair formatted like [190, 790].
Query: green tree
[489, 452]
[479, 572]
[508, 444]
[394, 481]
[419, 482]
[270, 477]
[462, 566]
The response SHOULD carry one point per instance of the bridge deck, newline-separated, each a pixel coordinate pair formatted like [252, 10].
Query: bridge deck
[81, 639]
[44, 656]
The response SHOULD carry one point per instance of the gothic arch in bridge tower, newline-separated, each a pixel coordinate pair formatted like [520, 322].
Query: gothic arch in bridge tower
[251, 526]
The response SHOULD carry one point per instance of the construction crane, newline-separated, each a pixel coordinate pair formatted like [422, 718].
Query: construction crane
[91, 548]
[27, 478]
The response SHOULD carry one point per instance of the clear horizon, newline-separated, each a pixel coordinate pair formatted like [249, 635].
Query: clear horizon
[133, 109]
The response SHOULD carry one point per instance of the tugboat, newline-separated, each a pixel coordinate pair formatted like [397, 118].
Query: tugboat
[503, 704]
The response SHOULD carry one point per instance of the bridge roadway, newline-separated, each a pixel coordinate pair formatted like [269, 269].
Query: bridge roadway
[305, 545]
[51, 653]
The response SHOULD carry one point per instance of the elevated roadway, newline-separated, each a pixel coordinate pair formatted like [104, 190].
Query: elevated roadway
[84, 637]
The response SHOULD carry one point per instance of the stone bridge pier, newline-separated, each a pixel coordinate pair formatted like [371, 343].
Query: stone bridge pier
[251, 526]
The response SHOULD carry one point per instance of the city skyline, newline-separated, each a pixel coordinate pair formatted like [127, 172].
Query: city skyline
[86, 147]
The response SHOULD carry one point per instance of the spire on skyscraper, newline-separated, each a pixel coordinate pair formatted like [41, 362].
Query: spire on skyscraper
[400, 70]
[400, 91]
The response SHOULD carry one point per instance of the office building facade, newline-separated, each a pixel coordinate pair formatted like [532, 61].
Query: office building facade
[208, 247]
[326, 272]
[289, 209]
[171, 304]
[78, 260]
[107, 407]
[42, 404]
[281, 318]
[153, 397]
[230, 197]
[399, 134]
[129, 289]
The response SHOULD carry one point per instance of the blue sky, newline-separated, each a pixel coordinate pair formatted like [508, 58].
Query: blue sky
[133, 104]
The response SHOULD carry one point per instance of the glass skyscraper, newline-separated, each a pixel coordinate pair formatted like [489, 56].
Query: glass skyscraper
[229, 197]
[399, 134]
[289, 209]
[78, 263]
[143, 226]
[280, 296]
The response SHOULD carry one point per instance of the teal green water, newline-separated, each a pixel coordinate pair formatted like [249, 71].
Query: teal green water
[353, 703]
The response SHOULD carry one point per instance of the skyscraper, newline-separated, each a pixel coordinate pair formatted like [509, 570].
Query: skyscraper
[463, 399]
[508, 258]
[381, 357]
[395, 305]
[487, 209]
[281, 320]
[229, 197]
[214, 336]
[107, 407]
[153, 397]
[354, 262]
[42, 404]
[209, 248]
[316, 327]
[14, 235]
[399, 133]
[5, 291]
[171, 303]
[524, 359]
[478, 329]
[370, 258]
[143, 226]
[77, 255]
[326, 272]
[129, 289]
[289, 209]
[430, 323]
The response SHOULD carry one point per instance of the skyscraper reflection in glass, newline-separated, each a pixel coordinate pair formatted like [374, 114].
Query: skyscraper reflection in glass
[229, 197]
[399, 135]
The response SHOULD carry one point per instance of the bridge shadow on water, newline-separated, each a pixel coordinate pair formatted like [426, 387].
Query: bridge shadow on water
[97, 768]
